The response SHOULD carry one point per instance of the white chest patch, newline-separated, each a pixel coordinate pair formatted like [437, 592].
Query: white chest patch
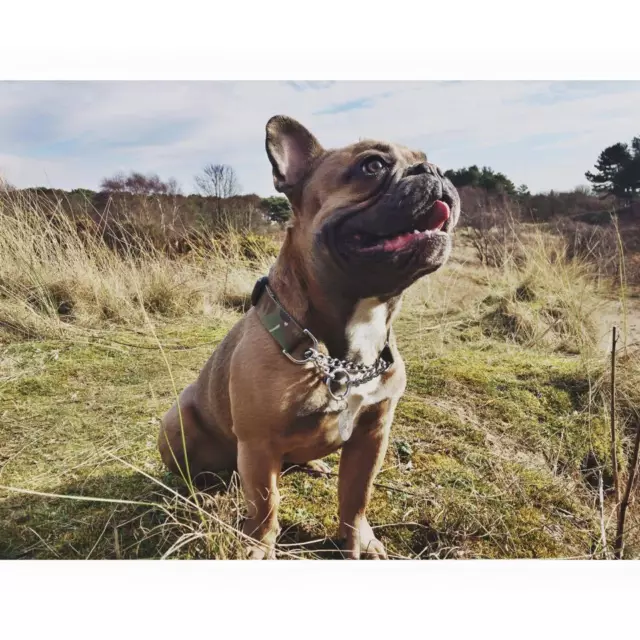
[367, 330]
[366, 335]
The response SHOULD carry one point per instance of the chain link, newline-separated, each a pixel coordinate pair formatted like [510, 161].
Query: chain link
[334, 371]
[344, 372]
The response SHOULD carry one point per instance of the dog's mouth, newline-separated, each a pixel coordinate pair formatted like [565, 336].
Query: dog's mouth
[421, 230]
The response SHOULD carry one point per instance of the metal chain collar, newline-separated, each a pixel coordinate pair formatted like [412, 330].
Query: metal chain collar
[335, 373]
[340, 372]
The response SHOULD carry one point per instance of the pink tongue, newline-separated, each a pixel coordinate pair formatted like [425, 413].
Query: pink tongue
[393, 244]
[439, 215]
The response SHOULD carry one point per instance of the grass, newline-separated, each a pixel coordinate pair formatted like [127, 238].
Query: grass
[55, 278]
[496, 447]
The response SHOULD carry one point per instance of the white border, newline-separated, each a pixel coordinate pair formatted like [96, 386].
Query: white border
[296, 41]
[332, 39]
[311, 599]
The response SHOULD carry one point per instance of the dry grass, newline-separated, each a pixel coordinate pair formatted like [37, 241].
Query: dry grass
[544, 297]
[494, 449]
[55, 278]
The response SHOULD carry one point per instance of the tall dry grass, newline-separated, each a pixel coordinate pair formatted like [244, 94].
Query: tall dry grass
[542, 296]
[56, 276]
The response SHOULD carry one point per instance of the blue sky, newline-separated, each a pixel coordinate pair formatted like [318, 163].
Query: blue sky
[72, 134]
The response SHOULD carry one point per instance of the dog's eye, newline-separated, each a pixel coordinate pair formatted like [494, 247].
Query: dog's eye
[373, 166]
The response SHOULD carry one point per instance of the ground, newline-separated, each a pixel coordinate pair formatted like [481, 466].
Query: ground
[492, 452]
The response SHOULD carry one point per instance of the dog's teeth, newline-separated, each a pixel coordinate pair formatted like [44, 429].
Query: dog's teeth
[416, 232]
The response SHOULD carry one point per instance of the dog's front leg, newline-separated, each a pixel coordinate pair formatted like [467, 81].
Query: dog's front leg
[259, 469]
[361, 459]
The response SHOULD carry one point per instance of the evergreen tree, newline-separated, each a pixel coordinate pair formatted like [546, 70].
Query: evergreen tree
[278, 208]
[618, 171]
[485, 178]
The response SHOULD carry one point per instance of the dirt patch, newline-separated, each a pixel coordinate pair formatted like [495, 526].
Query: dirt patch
[613, 313]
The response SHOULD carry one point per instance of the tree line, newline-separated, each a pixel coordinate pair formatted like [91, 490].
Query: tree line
[617, 174]
[129, 208]
[138, 204]
[217, 185]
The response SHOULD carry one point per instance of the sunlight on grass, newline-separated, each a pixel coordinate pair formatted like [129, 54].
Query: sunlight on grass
[494, 449]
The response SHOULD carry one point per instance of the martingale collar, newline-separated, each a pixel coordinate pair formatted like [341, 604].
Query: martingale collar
[289, 334]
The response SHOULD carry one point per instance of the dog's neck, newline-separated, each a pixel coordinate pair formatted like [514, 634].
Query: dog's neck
[350, 328]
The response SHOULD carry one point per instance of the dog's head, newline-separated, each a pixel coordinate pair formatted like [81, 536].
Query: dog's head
[370, 218]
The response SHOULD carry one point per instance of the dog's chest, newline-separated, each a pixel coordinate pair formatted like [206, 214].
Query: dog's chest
[333, 420]
[323, 425]
[366, 335]
[366, 331]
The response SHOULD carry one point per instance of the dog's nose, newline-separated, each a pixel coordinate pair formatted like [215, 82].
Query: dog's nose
[422, 168]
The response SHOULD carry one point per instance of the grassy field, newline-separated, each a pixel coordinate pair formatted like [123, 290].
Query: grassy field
[498, 447]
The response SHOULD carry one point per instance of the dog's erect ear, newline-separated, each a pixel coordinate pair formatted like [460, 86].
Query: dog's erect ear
[291, 150]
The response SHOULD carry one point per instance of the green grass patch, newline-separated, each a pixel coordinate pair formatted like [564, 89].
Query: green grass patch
[484, 461]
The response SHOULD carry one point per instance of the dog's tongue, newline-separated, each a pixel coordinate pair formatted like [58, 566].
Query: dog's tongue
[398, 242]
[438, 215]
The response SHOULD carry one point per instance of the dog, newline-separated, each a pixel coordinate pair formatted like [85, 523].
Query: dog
[313, 366]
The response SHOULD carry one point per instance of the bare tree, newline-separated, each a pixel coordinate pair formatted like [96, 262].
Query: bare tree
[140, 184]
[218, 181]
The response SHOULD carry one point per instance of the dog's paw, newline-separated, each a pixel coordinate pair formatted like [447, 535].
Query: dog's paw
[259, 551]
[315, 466]
[361, 543]
[318, 466]
[373, 550]
[260, 542]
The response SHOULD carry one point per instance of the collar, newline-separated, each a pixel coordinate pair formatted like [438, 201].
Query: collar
[275, 319]
[289, 335]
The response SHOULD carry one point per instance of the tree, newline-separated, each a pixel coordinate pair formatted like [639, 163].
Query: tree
[140, 184]
[617, 171]
[485, 178]
[632, 173]
[465, 177]
[218, 181]
[278, 208]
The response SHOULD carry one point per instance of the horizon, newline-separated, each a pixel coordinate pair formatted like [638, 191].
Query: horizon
[71, 135]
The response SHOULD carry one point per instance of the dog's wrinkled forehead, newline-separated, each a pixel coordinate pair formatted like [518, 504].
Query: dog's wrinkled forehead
[337, 177]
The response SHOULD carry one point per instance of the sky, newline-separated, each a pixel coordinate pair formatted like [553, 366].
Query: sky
[73, 134]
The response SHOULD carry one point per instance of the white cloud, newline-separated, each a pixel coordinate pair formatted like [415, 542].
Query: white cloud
[73, 134]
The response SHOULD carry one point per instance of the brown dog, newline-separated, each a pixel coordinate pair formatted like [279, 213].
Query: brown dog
[368, 221]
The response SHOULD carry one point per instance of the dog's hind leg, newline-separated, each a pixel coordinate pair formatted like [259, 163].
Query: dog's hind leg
[187, 447]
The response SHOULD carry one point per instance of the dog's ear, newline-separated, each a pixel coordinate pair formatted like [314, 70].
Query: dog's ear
[291, 150]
